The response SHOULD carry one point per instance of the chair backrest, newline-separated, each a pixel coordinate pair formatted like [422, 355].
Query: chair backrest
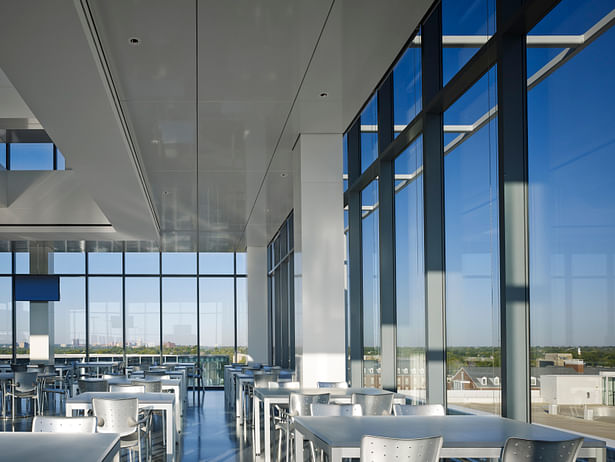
[19, 367]
[151, 386]
[293, 385]
[381, 449]
[262, 379]
[64, 424]
[122, 388]
[49, 369]
[380, 404]
[92, 385]
[25, 381]
[424, 409]
[518, 449]
[332, 385]
[116, 415]
[299, 403]
[326, 410]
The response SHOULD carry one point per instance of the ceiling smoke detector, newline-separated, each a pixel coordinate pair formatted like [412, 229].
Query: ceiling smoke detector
[134, 41]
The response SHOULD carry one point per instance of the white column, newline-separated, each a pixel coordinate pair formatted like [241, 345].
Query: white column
[258, 332]
[41, 313]
[319, 260]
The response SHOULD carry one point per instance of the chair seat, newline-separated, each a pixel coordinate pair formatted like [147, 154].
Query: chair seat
[130, 440]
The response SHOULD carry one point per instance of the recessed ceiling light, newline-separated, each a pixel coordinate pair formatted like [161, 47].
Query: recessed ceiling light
[283, 174]
[134, 41]
[324, 94]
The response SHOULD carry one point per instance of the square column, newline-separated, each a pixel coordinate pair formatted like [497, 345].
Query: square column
[41, 313]
[319, 260]
[258, 330]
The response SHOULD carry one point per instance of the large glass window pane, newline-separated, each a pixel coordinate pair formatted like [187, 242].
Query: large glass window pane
[409, 270]
[241, 263]
[105, 263]
[369, 133]
[571, 154]
[142, 262]
[22, 319]
[69, 319]
[142, 318]
[216, 263]
[471, 240]
[31, 156]
[217, 326]
[407, 88]
[67, 263]
[105, 317]
[179, 318]
[6, 319]
[466, 26]
[179, 263]
[242, 319]
[371, 286]
[22, 262]
[3, 155]
[6, 262]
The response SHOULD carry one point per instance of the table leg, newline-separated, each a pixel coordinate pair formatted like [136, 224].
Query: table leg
[257, 424]
[170, 432]
[298, 445]
[267, 424]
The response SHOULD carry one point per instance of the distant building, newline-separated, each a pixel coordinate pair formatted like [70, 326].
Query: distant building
[474, 378]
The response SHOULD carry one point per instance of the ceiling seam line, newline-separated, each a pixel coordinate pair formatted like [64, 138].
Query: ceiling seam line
[275, 149]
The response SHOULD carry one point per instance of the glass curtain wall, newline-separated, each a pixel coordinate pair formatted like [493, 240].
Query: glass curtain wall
[550, 212]
[281, 296]
[571, 150]
[138, 305]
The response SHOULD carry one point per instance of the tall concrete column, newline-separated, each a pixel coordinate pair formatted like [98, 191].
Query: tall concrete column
[258, 331]
[41, 313]
[319, 260]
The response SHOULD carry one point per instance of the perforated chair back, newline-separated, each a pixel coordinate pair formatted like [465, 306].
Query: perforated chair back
[151, 386]
[424, 409]
[116, 415]
[293, 385]
[86, 386]
[299, 403]
[49, 369]
[64, 424]
[381, 449]
[327, 410]
[380, 404]
[25, 382]
[262, 379]
[518, 449]
[332, 385]
[121, 388]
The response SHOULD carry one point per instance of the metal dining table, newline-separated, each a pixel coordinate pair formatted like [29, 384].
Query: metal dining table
[270, 396]
[59, 447]
[155, 401]
[467, 436]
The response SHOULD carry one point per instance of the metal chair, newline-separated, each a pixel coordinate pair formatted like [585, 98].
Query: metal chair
[25, 386]
[332, 385]
[121, 416]
[150, 386]
[299, 404]
[54, 385]
[125, 388]
[64, 424]
[519, 449]
[328, 410]
[382, 449]
[380, 404]
[88, 385]
[423, 409]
